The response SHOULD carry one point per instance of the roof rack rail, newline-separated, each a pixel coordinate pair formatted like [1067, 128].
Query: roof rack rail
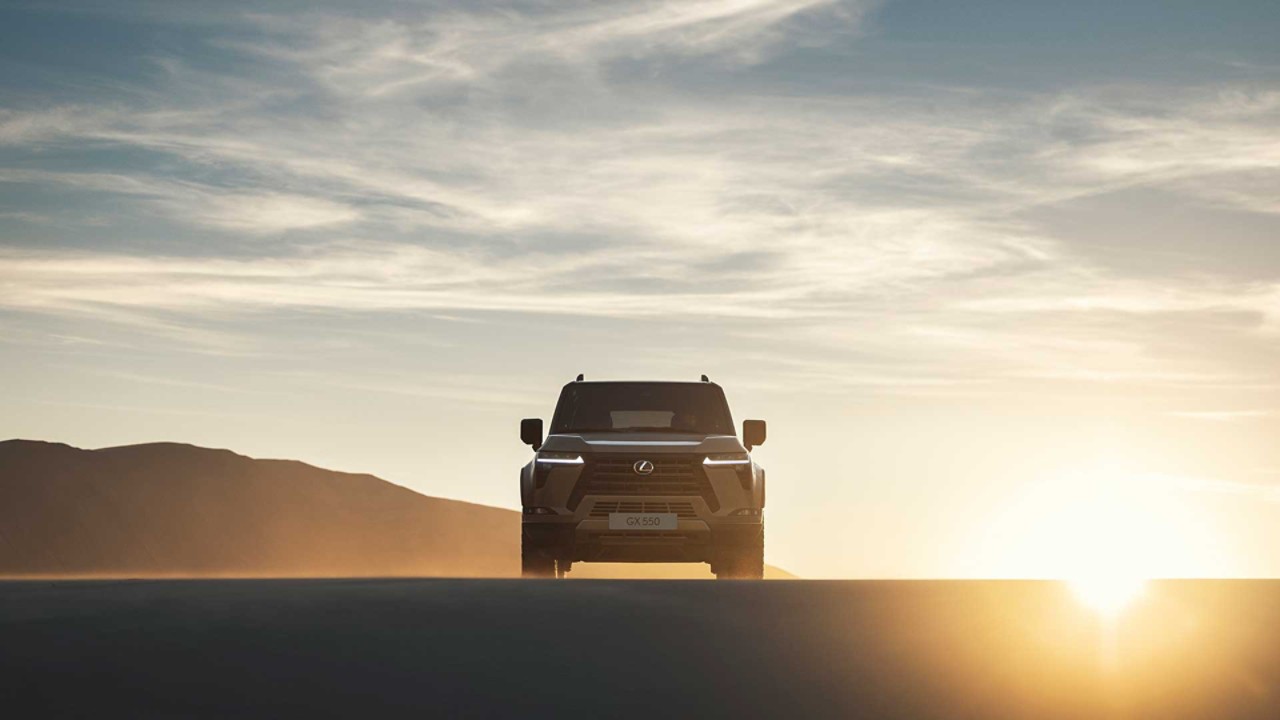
[706, 379]
[579, 378]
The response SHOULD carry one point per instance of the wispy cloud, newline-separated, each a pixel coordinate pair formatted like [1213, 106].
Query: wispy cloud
[1209, 139]
[381, 56]
[549, 159]
[261, 211]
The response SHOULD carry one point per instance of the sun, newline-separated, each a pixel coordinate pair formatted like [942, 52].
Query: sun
[1103, 531]
[1108, 594]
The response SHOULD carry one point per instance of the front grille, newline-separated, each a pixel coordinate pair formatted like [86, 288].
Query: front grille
[679, 475]
[605, 507]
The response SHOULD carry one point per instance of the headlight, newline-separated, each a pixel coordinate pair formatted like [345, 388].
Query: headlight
[728, 459]
[559, 458]
[739, 462]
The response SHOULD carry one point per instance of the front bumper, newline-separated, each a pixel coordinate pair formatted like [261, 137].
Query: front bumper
[585, 535]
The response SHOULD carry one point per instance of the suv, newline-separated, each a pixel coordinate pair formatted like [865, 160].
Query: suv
[642, 472]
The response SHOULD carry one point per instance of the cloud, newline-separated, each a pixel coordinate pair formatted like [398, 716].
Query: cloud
[50, 124]
[552, 158]
[368, 277]
[265, 212]
[1212, 138]
[254, 212]
[382, 56]
[467, 388]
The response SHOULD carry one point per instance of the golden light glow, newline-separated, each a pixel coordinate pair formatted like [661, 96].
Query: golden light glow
[1103, 529]
[1109, 595]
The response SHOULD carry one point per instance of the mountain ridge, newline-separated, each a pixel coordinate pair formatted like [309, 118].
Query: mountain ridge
[168, 509]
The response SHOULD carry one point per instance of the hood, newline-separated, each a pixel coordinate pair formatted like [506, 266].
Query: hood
[645, 442]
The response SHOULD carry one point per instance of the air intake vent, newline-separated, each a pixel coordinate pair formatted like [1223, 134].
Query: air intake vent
[604, 508]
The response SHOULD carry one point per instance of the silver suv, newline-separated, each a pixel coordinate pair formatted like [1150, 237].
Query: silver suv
[642, 472]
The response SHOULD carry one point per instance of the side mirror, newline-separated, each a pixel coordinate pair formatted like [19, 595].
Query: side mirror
[753, 433]
[531, 432]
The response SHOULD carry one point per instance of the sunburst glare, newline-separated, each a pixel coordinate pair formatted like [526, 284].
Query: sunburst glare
[1108, 594]
[1103, 529]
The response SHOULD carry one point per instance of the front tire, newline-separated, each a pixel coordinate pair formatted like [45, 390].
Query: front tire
[743, 562]
[533, 564]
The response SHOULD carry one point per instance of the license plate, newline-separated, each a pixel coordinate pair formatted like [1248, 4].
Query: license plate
[642, 521]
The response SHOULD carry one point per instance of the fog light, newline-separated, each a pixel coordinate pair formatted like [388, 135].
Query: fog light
[539, 511]
[746, 511]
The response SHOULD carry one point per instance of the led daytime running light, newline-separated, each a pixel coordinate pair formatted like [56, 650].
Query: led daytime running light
[577, 460]
[727, 460]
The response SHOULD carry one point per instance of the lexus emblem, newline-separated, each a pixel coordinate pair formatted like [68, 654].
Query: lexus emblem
[642, 467]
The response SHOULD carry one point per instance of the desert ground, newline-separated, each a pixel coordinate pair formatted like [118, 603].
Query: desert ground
[101, 614]
[617, 648]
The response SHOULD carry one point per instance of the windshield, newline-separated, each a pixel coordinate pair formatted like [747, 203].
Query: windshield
[642, 406]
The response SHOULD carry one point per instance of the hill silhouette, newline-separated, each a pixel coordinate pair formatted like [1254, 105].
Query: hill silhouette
[174, 510]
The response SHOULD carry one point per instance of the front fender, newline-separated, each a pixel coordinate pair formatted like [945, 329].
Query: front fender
[526, 485]
[758, 490]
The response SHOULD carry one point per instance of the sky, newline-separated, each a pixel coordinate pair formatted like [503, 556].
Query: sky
[1003, 278]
